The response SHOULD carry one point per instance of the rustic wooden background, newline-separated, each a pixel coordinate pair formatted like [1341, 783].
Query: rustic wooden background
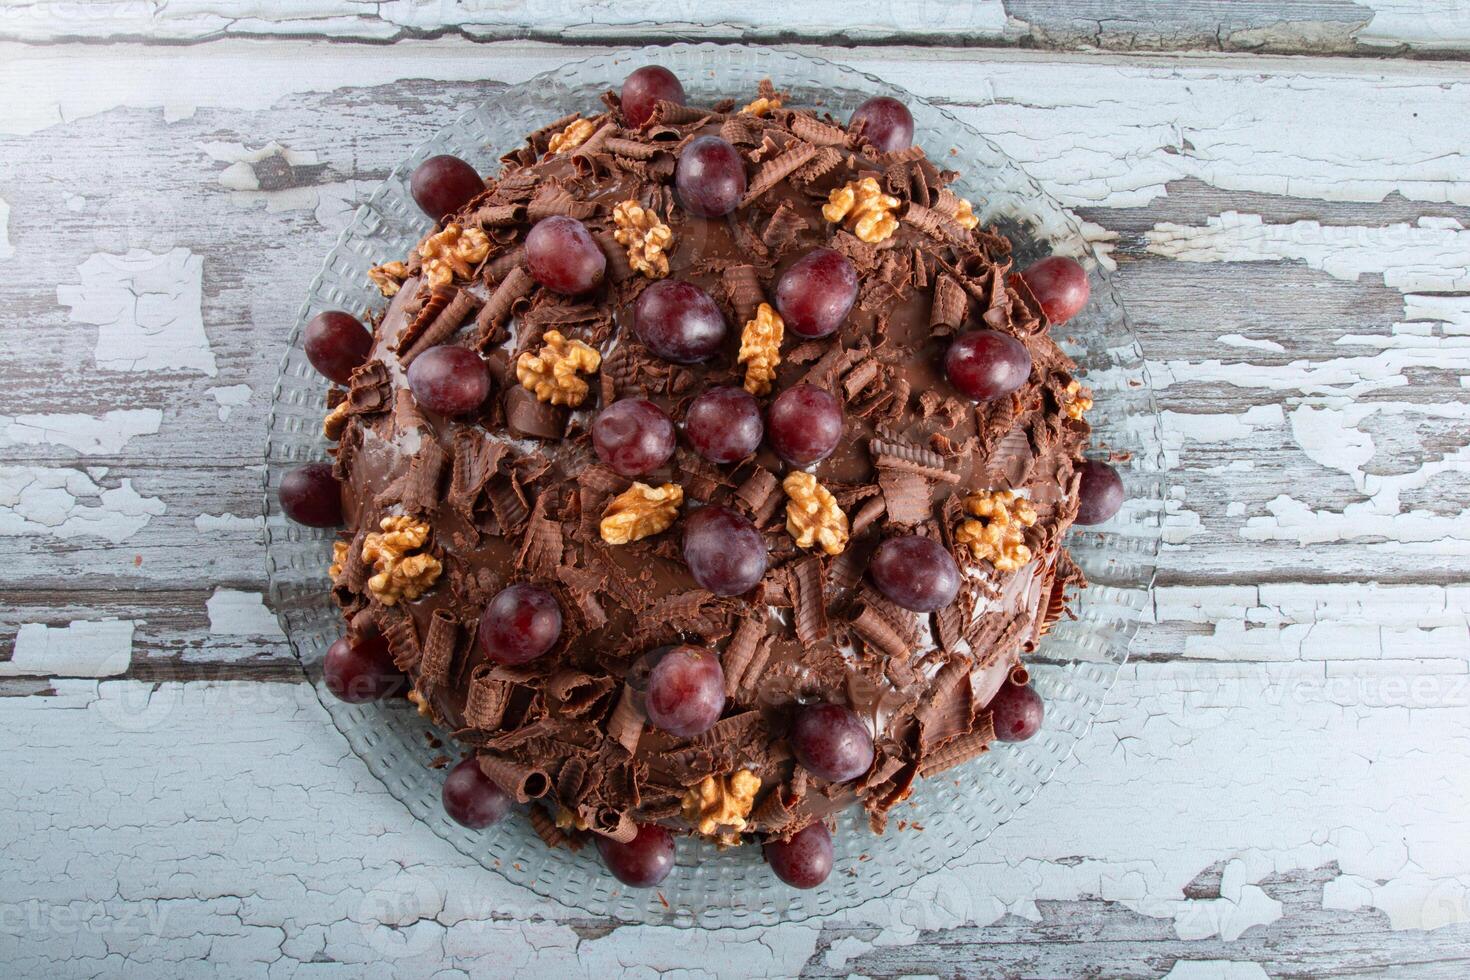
[1278, 785]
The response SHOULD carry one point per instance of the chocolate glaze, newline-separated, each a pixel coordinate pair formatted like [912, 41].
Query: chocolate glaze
[534, 517]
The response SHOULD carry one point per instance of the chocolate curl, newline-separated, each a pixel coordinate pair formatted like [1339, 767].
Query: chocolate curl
[905, 495]
[777, 169]
[848, 568]
[947, 202]
[673, 114]
[545, 826]
[904, 458]
[509, 297]
[743, 288]
[948, 710]
[809, 602]
[613, 824]
[484, 706]
[577, 690]
[740, 653]
[784, 228]
[949, 307]
[757, 491]
[877, 631]
[437, 301]
[1019, 675]
[497, 215]
[594, 146]
[539, 139]
[870, 511]
[774, 813]
[499, 267]
[403, 642]
[618, 268]
[949, 623]
[632, 149]
[740, 131]
[554, 200]
[541, 546]
[525, 783]
[824, 162]
[438, 648]
[960, 750]
[421, 483]
[909, 154]
[626, 724]
[571, 782]
[813, 130]
[369, 388]
[582, 584]
[476, 460]
[860, 377]
[936, 225]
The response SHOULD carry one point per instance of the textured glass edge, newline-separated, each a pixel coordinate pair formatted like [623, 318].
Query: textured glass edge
[1079, 662]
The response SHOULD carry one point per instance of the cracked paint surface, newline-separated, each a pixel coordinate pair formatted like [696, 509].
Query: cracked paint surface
[41, 501]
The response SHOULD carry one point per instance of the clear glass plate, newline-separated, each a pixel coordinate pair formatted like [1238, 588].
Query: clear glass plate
[1078, 661]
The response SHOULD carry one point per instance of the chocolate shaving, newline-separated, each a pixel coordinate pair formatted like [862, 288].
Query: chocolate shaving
[740, 130]
[633, 149]
[743, 289]
[499, 267]
[825, 160]
[508, 298]
[476, 460]
[521, 781]
[545, 826]
[403, 642]
[808, 601]
[420, 490]
[960, 750]
[948, 709]
[613, 824]
[370, 388]
[437, 301]
[438, 649]
[902, 457]
[937, 226]
[777, 169]
[496, 215]
[626, 724]
[877, 631]
[813, 130]
[554, 200]
[949, 307]
[444, 326]
[542, 543]
[673, 114]
[784, 229]
[486, 701]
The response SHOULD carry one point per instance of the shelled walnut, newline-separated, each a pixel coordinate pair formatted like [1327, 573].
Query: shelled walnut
[640, 511]
[722, 803]
[403, 570]
[760, 349]
[863, 208]
[552, 373]
[996, 534]
[812, 514]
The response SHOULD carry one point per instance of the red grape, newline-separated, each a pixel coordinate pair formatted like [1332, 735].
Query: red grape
[887, 123]
[805, 860]
[1016, 712]
[686, 691]
[724, 551]
[563, 256]
[915, 572]
[633, 436]
[986, 364]
[335, 343]
[449, 380]
[520, 624]
[1101, 493]
[815, 294]
[710, 177]
[724, 425]
[311, 495]
[442, 185]
[643, 861]
[645, 88]
[362, 671]
[678, 321]
[472, 798]
[832, 742]
[805, 423]
[1059, 285]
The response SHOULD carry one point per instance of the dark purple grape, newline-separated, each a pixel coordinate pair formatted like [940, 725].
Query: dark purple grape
[335, 343]
[831, 741]
[472, 798]
[311, 495]
[986, 364]
[1101, 493]
[710, 177]
[449, 380]
[362, 671]
[1059, 285]
[724, 425]
[520, 624]
[686, 691]
[633, 436]
[442, 185]
[815, 294]
[645, 88]
[887, 123]
[805, 424]
[724, 551]
[643, 861]
[563, 256]
[679, 322]
[1016, 712]
[915, 572]
[805, 860]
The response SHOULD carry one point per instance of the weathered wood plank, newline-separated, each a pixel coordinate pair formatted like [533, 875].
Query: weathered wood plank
[1327, 26]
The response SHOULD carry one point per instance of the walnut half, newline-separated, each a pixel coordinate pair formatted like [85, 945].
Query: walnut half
[863, 208]
[388, 277]
[552, 373]
[404, 571]
[640, 511]
[646, 238]
[996, 535]
[760, 349]
[453, 252]
[577, 132]
[1078, 400]
[719, 803]
[812, 514]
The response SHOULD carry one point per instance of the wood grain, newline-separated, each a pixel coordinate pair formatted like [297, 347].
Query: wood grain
[1276, 782]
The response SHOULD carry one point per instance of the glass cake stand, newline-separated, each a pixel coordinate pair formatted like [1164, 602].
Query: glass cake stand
[1077, 664]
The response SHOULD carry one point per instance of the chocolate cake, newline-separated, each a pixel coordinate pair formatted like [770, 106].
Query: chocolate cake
[707, 472]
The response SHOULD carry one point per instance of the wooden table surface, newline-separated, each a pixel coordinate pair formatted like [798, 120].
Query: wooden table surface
[1278, 783]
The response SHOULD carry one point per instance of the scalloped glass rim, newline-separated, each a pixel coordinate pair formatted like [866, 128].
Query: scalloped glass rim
[1080, 659]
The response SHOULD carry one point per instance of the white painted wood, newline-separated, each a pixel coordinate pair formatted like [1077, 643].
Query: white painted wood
[1275, 787]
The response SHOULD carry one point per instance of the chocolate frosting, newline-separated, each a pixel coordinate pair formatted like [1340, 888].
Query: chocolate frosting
[516, 493]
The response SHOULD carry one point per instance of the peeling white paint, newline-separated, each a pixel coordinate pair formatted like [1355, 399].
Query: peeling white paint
[1215, 970]
[48, 502]
[6, 249]
[228, 522]
[236, 613]
[229, 398]
[148, 308]
[84, 648]
[88, 435]
[1251, 343]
